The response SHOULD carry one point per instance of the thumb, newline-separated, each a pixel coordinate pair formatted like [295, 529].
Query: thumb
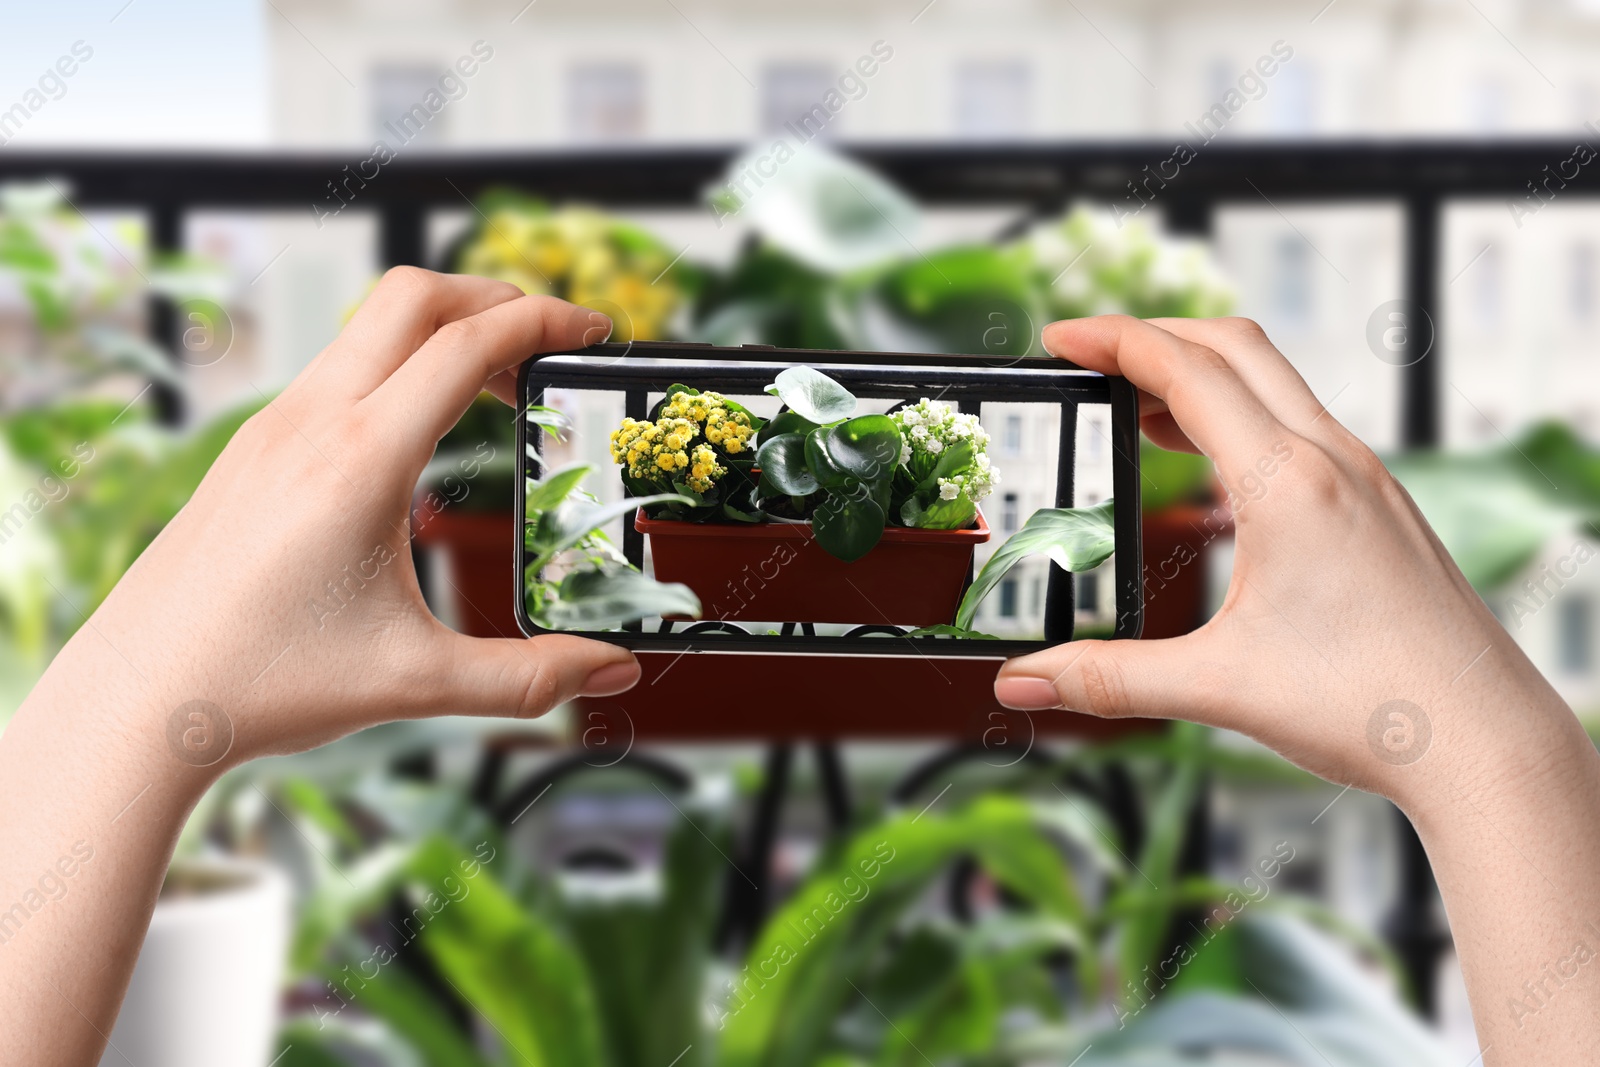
[526, 677]
[1113, 679]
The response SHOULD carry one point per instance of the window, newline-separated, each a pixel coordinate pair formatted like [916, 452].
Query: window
[1292, 98]
[1094, 442]
[1581, 279]
[1487, 283]
[1486, 106]
[1008, 598]
[1291, 291]
[1036, 596]
[1088, 591]
[1577, 634]
[1012, 439]
[789, 92]
[993, 100]
[400, 113]
[605, 102]
[1008, 513]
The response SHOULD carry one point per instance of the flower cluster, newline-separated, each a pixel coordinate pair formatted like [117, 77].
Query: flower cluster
[580, 255]
[927, 429]
[679, 444]
[731, 430]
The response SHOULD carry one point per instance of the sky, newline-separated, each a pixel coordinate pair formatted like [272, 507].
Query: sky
[169, 73]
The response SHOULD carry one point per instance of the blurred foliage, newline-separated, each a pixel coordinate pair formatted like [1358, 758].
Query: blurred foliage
[859, 965]
[1495, 510]
[1169, 478]
[87, 478]
[831, 260]
[85, 291]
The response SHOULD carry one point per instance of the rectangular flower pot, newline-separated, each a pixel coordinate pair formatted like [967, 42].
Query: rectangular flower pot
[776, 572]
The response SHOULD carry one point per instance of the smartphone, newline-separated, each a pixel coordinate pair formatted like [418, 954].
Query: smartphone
[686, 497]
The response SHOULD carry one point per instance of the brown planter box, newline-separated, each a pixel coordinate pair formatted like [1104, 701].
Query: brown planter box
[776, 572]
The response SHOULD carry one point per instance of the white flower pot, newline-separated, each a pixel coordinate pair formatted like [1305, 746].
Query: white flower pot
[206, 988]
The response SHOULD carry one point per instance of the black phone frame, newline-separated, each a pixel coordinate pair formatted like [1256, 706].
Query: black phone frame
[624, 367]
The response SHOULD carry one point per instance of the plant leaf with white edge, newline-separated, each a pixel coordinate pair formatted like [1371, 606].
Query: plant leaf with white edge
[813, 395]
[829, 212]
[1075, 539]
[551, 490]
[591, 598]
[552, 420]
[574, 520]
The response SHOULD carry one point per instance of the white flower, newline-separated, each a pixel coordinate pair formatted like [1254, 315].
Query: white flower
[935, 445]
[905, 453]
[948, 490]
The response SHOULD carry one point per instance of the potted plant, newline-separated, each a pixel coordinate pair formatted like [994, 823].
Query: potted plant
[774, 520]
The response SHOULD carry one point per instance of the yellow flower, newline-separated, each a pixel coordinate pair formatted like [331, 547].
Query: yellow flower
[666, 461]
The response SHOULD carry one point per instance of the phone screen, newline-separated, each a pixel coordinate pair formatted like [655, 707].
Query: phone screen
[797, 501]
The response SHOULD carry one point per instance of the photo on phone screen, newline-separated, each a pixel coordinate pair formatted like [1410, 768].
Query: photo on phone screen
[810, 501]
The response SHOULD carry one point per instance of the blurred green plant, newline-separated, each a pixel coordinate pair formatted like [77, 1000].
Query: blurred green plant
[855, 967]
[834, 263]
[87, 479]
[1496, 509]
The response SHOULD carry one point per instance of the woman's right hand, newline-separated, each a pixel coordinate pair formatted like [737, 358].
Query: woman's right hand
[1350, 643]
[1348, 640]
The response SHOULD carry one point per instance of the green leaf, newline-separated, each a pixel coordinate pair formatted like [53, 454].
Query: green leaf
[590, 599]
[649, 952]
[813, 395]
[946, 630]
[957, 514]
[866, 448]
[509, 965]
[1491, 511]
[413, 1012]
[1075, 539]
[575, 519]
[815, 951]
[1144, 934]
[551, 490]
[783, 465]
[848, 527]
[738, 514]
[551, 420]
[786, 422]
[829, 213]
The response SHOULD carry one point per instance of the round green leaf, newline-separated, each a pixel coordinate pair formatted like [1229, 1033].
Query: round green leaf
[783, 465]
[847, 527]
[813, 395]
[865, 448]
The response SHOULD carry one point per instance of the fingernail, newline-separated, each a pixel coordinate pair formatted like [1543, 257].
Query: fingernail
[600, 328]
[1026, 694]
[608, 681]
